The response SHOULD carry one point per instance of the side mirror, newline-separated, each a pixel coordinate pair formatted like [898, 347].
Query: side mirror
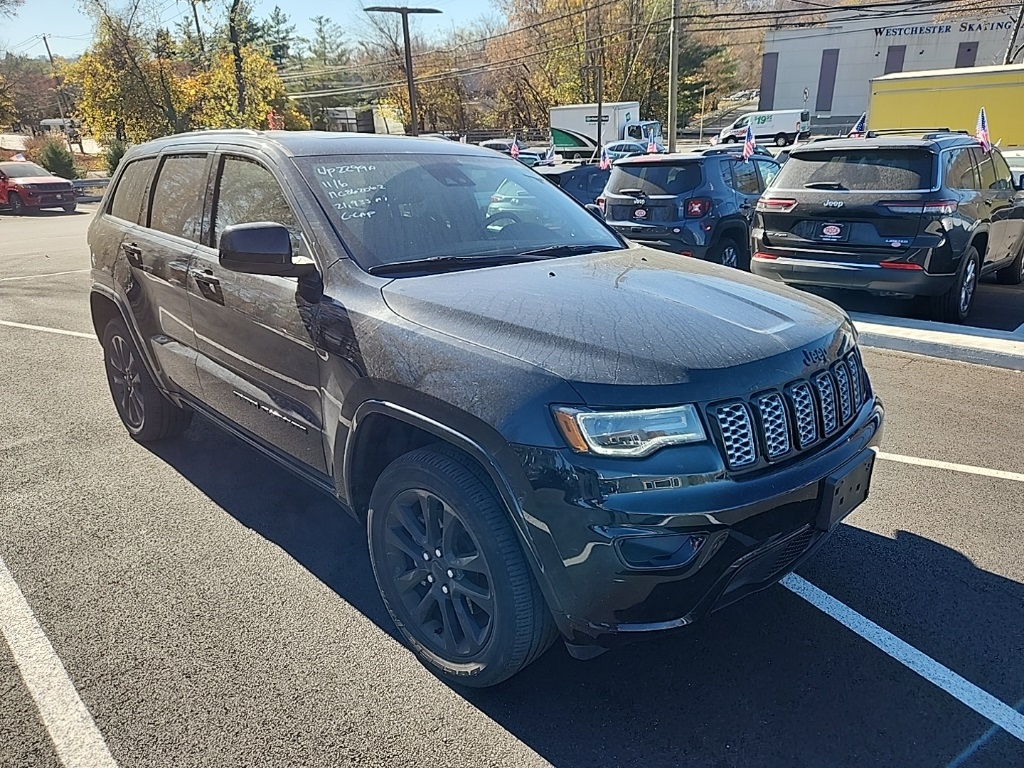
[260, 248]
[595, 210]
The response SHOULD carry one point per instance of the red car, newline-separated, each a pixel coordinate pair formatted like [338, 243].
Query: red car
[25, 186]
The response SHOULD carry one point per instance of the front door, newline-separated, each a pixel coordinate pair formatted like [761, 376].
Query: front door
[997, 197]
[258, 363]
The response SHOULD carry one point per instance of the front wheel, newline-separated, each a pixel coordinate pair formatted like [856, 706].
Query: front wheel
[781, 140]
[954, 305]
[16, 203]
[450, 569]
[729, 140]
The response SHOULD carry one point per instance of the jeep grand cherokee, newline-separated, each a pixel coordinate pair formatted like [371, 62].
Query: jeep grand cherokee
[544, 429]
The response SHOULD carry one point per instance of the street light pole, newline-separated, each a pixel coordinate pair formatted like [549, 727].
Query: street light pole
[404, 11]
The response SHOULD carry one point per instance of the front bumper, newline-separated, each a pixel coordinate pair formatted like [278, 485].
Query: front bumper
[752, 530]
[49, 199]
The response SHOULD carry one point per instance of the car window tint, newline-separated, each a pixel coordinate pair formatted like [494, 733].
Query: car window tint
[655, 178]
[596, 182]
[1004, 179]
[987, 170]
[130, 193]
[177, 207]
[871, 168]
[958, 169]
[769, 171]
[248, 192]
[744, 177]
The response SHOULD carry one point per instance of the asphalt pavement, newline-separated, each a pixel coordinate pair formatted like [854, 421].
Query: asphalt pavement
[210, 609]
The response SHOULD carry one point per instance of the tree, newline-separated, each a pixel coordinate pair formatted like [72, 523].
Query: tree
[10, 7]
[280, 36]
[325, 46]
[29, 87]
[264, 93]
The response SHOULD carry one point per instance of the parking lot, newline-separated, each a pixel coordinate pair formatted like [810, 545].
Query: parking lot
[207, 608]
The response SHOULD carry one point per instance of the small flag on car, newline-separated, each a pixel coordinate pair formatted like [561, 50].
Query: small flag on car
[463, 139]
[606, 162]
[981, 132]
[19, 157]
[549, 158]
[515, 148]
[860, 128]
[748, 144]
[652, 148]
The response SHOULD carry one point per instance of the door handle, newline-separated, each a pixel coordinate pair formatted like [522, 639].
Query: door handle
[133, 253]
[205, 276]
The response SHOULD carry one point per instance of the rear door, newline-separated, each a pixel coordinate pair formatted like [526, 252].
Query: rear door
[858, 204]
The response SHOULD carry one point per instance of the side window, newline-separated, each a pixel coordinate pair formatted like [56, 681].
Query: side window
[178, 197]
[958, 169]
[744, 178]
[1004, 179]
[596, 182]
[769, 171]
[741, 123]
[988, 171]
[248, 192]
[130, 192]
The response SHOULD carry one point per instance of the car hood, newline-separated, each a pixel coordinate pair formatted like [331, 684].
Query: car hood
[37, 180]
[632, 317]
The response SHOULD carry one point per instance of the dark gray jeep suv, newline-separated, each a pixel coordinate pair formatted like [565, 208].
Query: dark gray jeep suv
[544, 429]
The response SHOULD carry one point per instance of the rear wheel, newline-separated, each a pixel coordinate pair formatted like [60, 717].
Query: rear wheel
[1013, 274]
[145, 412]
[17, 205]
[728, 253]
[451, 571]
[729, 140]
[954, 305]
[781, 140]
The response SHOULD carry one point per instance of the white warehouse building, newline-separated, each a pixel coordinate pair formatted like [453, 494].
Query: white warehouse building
[828, 69]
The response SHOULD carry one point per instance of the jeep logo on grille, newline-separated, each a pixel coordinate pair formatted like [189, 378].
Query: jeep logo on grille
[833, 203]
[817, 356]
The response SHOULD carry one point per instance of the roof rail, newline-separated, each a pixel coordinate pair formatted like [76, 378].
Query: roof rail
[925, 132]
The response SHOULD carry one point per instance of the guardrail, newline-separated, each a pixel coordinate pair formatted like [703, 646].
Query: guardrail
[90, 190]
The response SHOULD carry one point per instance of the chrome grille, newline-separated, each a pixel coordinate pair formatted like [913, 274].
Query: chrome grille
[802, 402]
[775, 424]
[737, 434]
[855, 378]
[827, 400]
[842, 377]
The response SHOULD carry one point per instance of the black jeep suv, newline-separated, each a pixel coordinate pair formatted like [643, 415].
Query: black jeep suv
[543, 428]
[698, 203]
[894, 216]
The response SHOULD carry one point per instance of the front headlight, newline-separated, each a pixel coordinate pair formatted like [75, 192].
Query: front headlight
[629, 433]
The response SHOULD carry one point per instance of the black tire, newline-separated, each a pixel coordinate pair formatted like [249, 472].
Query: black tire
[729, 140]
[781, 140]
[728, 253]
[474, 614]
[954, 305]
[1013, 274]
[70, 208]
[144, 410]
[17, 205]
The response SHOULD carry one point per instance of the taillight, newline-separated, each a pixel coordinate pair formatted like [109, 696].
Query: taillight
[775, 204]
[600, 204]
[899, 265]
[696, 207]
[497, 199]
[686, 253]
[942, 207]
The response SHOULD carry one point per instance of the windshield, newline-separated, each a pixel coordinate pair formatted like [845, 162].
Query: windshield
[655, 179]
[392, 209]
[23, 170]
[897, 169]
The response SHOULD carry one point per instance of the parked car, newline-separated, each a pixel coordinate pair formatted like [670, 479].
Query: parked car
[25, 187]
[527, 156]
[1015, 159]
[894, 216]
[620, 149]
[584, 181]
[697, 204]
[545, 431]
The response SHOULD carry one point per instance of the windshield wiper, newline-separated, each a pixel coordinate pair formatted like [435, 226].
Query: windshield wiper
[569, 250]
[440, 263]
[824, 185]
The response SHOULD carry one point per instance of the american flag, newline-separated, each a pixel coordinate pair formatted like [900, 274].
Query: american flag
[860, 128]
[748, 144]
[463, 139]
[606, 162]
[981, 132]
[514, 151]
[549, 158]
[652, 147]
[19, 157]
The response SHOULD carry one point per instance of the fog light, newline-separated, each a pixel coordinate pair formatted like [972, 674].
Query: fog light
[660, 551]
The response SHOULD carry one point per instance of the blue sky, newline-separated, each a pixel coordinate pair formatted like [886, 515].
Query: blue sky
[70, 31]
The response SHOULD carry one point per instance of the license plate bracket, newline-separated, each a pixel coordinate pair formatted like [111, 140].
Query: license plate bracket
[844, 490]
[833, 231]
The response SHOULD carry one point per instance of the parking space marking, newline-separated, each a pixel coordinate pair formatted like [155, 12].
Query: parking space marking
[47, 274]
[978, 743]
[77, 740]
[966, 468]
[982, 702]
[44, 329]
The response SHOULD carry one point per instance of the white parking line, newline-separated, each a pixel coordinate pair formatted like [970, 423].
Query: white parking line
[982, 702]
[966, 468]
[77, 740]
[48, 274]
[44, 329]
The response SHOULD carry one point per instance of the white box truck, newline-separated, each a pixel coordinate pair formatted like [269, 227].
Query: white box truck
[574, 127]
[781, 126]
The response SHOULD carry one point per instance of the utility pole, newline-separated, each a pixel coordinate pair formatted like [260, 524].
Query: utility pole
[60, 91]
[673, 75]
[1010, 53]
[413, 118]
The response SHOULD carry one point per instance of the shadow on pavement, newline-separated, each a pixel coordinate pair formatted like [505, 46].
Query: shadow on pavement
[770, 681]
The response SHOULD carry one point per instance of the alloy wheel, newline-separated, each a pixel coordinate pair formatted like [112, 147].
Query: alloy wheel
[968, 285]
[442, 577]
[126, 382]
[730, 257]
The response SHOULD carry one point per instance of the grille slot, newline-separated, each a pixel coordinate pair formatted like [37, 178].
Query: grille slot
[802, 402]
[842, 377]
[775, 424]
[827, 400]
[737, 434]
[855, 379]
